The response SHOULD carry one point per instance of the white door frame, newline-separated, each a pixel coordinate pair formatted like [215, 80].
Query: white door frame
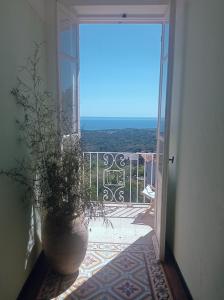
[150, 19]
[136, 19]
[160, 223]
[167, 130]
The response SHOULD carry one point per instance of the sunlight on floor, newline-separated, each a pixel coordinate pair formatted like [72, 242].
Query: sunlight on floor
[128, 225]
[120, 262]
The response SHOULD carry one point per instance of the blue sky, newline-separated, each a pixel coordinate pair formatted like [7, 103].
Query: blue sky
[119, 70]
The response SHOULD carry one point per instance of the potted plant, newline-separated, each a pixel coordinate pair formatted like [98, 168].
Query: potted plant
[52, 172]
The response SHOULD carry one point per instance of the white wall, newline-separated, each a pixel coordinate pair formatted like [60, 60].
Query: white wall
[20, 26]
[195, 220]
[115, 2]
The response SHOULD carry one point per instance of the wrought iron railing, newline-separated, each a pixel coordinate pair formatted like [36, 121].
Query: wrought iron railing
[119, 176]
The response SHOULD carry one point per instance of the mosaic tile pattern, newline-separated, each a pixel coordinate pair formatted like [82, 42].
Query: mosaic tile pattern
[111, 272]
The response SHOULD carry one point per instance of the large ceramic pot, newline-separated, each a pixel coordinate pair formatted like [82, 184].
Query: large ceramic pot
[65, 241]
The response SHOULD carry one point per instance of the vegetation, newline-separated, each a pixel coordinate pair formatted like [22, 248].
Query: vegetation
[120, 140]
[51, 171]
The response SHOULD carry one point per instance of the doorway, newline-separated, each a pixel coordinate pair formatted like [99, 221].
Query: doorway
[124, 270]
[69, 25]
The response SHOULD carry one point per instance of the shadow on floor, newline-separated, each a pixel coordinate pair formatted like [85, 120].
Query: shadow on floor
[147, 217]
[112, 271]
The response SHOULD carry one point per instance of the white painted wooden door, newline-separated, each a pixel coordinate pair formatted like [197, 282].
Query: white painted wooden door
[162, 143]
[68, 68]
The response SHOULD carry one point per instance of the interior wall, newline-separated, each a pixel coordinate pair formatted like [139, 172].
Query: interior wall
[115, 2]
[195, 220]
[20, 27]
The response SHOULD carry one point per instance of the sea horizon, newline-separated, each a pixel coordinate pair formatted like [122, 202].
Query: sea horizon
[105, 123]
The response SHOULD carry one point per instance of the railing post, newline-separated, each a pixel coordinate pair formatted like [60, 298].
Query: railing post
[130, 159]
[83, 168]
[144, 174]
[137, 175]
[90, 169]
[152, 162]
[97, 175]
[148, 162]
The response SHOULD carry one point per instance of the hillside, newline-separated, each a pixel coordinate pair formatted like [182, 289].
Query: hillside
[119, 140]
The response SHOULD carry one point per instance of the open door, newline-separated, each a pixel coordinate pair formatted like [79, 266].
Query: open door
[68, 68]
[163, 140]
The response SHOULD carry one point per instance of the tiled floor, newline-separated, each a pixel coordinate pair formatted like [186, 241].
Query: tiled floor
[120, 263]
[128, 224]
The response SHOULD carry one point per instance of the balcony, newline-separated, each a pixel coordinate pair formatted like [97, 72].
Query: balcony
[120, 178]
[120, 256]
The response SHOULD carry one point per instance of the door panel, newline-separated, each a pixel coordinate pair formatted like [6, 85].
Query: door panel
[160, 153]
[67, 38]
[68, 89]
[68, 68]
[163, 100]
[166, 38]
[162, 144]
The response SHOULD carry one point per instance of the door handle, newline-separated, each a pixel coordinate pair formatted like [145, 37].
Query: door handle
[171, 159]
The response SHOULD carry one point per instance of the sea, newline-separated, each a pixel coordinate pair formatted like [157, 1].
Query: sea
[103, 123]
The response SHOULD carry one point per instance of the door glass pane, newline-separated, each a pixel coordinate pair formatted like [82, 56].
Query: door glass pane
[68, 93]
[163, 98]
[74, 46]
[166, 38]
[160, 155]
[68, 38]
[65, 40]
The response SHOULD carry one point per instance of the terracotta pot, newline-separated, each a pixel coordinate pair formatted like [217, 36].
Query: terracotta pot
[65, 242]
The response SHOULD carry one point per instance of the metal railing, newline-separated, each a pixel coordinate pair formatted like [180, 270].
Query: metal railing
[119, 176]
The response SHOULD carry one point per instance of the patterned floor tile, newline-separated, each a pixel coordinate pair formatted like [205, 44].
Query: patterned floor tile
[50, 287]
[91, 260]
[111, 271]
[87, 289]
[125, 263]
[107, 274]
[106, 254]
[141, 276]
[128, 289]
[104, 296]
